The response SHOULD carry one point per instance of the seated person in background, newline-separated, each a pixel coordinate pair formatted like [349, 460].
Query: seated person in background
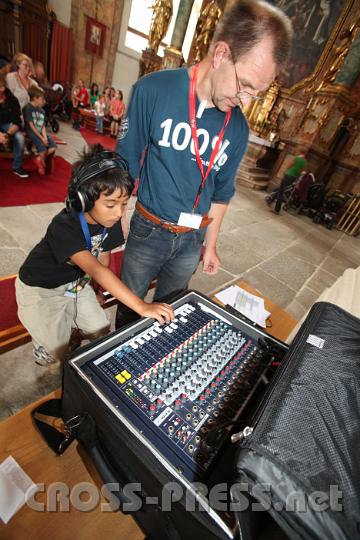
[53, 289]
[19, 81]
[83, 97]
[75, 97]
[106, 94]
[117, 109]
[10, 126]
[94, 94]
[81, 100]
[75, 107]
[99, 114]
[34, 118]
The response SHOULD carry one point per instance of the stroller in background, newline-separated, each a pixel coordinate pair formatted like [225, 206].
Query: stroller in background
[299, 194]
[330, 211]
[303, 194]
[55, 105]
[314, 200]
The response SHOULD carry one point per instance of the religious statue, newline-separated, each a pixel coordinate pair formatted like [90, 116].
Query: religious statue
[346, 39]
[162, 13]
[205, 28]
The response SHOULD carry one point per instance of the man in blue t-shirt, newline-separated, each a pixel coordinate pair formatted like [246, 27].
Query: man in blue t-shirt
[184, 137]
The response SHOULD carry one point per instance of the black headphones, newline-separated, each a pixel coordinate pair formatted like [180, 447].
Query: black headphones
[79, 199]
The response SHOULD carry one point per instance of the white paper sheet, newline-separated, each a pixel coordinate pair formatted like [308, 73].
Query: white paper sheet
[248, 304]
[15, 485]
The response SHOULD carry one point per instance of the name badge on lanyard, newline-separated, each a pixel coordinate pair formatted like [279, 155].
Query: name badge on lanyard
[76, 286]
[194, 220]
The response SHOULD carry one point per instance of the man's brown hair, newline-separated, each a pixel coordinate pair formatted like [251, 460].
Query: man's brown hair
[246, 22]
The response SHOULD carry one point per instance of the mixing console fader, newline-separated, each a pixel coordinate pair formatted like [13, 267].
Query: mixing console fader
[181, 385]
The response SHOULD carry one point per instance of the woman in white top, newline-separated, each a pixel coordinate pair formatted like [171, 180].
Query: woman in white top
[19, 81]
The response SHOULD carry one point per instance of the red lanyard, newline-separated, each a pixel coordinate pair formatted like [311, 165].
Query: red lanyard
[192, 109]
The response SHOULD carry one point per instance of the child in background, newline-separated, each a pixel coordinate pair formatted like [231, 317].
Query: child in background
[99, 114]
[34, 118]
[107, 97]
[75, 97]
[53, 290]
[117, 109]
[94, 94]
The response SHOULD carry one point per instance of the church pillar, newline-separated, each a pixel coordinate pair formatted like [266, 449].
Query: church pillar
[172, 55]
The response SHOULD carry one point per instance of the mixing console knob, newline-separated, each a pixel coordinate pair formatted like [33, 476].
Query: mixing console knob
[177, 404]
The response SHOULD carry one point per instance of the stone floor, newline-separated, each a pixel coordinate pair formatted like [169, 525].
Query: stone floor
[286, 257]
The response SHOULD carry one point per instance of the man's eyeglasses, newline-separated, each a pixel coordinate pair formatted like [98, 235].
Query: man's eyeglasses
[243, 94]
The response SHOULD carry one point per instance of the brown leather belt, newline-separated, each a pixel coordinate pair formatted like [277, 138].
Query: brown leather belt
[172, 227]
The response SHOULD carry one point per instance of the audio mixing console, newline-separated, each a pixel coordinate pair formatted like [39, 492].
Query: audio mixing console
[183, 385]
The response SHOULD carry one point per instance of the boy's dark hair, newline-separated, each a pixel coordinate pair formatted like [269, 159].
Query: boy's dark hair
[98, 171]
[35, 91]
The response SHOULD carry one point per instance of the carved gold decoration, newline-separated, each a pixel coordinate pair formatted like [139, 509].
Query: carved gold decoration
[316, 115]
[346, 39]
[162, 13]
[173, 58]
[205, 28]
[262, 120]
[149, 62]
[328, 132]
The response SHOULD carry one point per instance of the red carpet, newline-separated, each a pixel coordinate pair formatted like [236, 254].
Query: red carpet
[36, 189]
[8, 316]
[93, 138]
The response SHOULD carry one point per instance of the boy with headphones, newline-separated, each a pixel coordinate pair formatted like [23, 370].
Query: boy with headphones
[53, 289]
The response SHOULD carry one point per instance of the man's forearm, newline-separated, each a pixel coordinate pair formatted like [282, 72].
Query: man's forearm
[217, 212]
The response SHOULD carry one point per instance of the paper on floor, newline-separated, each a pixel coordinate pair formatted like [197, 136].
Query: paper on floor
[15, 486]
[248, 304]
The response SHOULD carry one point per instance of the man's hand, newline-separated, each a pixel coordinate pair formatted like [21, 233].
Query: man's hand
[211, 261]
[45, 141]
[4, 138]
[161, 312]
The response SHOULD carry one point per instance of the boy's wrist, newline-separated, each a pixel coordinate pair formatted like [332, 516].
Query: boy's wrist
[142, 307]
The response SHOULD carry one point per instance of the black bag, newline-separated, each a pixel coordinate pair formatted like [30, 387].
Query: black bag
[299, 456]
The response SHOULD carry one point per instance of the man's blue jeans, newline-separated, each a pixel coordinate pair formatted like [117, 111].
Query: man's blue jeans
[152, 251]
[18, 145]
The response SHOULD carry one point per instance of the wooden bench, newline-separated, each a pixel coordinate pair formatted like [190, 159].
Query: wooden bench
[89, 120]
[16, 335]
